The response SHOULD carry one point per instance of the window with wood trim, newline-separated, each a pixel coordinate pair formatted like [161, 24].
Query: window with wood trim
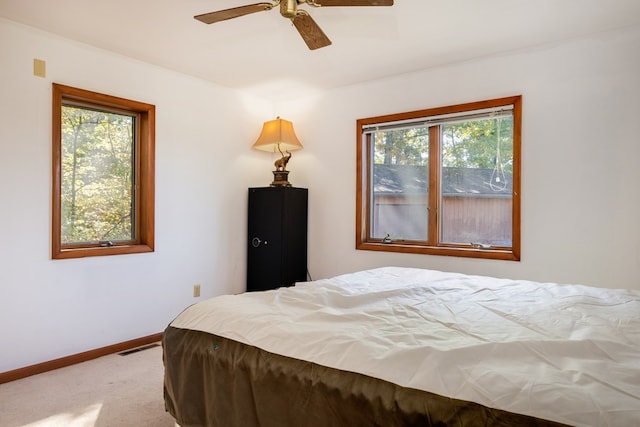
[441, 181]
[103, 174]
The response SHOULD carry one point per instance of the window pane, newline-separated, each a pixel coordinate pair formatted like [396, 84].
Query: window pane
[97, 176]
[400, 184]
[477, 171]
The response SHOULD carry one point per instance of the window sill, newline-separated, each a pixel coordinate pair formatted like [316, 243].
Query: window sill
[470, 252]
[100, 251]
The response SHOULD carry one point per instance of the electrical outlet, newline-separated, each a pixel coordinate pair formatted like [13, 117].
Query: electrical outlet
[196, 291]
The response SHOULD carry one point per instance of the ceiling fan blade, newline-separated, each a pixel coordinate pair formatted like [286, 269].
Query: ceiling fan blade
[234, 12]
[352, 2]
[311, 33]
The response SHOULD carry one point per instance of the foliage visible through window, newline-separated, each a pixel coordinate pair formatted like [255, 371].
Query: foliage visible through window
[441, 181]
[103, 174]
[97, 175]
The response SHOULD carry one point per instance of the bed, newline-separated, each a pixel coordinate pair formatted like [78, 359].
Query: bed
[401, 346]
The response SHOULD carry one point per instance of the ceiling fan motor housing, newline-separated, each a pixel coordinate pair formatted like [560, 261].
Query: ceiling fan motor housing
[288, 8]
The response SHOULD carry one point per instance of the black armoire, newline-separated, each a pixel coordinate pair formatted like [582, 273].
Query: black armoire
[277, 247]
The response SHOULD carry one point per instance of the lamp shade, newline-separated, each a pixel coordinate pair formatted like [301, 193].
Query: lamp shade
[277, 135]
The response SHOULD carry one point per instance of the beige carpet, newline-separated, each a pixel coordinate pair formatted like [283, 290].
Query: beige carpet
[112, 391]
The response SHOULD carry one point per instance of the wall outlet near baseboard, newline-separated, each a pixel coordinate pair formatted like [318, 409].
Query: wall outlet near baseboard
[196, 291]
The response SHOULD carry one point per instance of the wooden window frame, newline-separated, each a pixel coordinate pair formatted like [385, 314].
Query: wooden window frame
[144, 169]
[432, 246]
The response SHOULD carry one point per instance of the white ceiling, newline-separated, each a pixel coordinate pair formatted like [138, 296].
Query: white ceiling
[263, 53]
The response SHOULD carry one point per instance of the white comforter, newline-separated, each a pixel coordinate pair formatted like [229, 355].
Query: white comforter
[566, 353]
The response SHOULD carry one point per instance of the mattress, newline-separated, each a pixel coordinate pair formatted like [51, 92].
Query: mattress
[563, 353]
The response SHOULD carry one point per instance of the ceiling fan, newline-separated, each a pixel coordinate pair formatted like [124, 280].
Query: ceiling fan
[311, 33]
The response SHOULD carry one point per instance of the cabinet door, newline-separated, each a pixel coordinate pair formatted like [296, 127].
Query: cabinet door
[264, 255]
[294, 240]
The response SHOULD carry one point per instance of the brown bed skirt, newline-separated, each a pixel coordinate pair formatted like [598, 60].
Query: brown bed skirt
[213, 381]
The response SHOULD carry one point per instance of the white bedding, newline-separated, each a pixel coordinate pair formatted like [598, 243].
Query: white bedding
[565, 353]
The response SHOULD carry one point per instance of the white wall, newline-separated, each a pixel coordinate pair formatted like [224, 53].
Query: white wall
[581, 148]
[580, 178]
[204, 163]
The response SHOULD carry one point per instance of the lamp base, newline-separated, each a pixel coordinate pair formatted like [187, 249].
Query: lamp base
[280, 179]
